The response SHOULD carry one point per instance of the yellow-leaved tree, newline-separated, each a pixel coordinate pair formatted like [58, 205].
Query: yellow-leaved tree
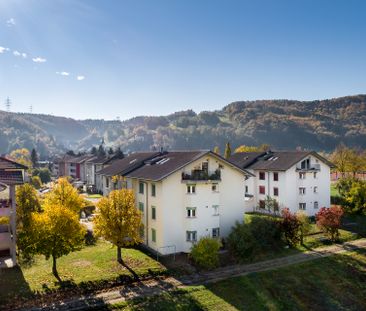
[22, 156]
[64, 194]
[27, 203]
[57, 232]
[118, 220]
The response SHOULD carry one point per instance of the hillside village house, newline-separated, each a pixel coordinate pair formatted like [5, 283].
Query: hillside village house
[183, 195]
[83, 168]
[298, 180]
[11, 174]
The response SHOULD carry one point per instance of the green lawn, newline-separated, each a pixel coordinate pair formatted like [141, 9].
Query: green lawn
[333, 191]
[94, 196]
[334, 283]
[91, 264]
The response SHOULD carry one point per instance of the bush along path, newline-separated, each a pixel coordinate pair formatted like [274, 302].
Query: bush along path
[159, 285]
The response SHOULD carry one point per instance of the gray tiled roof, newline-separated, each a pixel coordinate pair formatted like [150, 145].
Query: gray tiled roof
[272, 160]
[10, 164]
[125, 165]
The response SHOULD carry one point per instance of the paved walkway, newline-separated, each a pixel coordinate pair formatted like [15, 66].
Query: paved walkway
[158, 285]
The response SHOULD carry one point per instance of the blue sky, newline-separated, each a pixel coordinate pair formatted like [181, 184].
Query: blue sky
[109, 59]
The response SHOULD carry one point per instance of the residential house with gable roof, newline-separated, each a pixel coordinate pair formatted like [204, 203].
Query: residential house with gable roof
[298, 180]
[183, 195]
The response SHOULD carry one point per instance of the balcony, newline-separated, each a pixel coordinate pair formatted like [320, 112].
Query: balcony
[202, 175]
[306, 168]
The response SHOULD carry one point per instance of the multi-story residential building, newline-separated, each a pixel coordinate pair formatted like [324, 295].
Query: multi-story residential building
[298, 180]
[183, 195]
[11, 174]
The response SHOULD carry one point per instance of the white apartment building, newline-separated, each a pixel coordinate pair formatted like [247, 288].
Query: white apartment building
[183, 195]
[297, 180]
[11, 174]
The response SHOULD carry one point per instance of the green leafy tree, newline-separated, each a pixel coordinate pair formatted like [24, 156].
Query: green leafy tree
[43, 173]
[305, 226]
[205, 253]
[355, 199]
[244, 148]
[341, 158]
[94, 150]
[110, 151]
[57, 232]
[64, 194]
[34, 158]
[36, 182]
[118, 220]
[227, 153]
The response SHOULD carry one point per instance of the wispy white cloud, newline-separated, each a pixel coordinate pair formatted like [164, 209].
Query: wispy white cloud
[3, 49]
[39, 60]
[80, 78]
[63, 73]
[10, 22]
[17, 53]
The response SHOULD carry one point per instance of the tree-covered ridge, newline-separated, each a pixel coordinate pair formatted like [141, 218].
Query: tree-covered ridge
[283, 124]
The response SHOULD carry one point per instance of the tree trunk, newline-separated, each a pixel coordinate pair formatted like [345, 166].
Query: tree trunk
[54, 269]
[119, 254]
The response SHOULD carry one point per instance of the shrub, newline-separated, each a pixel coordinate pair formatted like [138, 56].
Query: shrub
[205, 253]
[36, 182]
[290, 226]
[259, 235]
[89, 238]
[329, 220]
[305, 226]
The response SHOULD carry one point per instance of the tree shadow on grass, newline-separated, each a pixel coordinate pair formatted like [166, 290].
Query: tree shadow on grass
[13, 287]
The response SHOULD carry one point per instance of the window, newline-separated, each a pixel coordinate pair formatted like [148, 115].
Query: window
[191, 212]
[153, 190]
[262, 175]
[246, 189]
[215, 232]
[191, 189]
[302, 206]
[316, 204]
[191, 236]
[302, 175]
[215, 187]
[262, 189]
[302, 190]
[315, 189]
[262, 204]
[142, 232]
[315, 175]
[153, 212]
[141, 187]
[107, 182]
[153, 235]
[141, 207]
[215, 210]
[275, 176]
[275, 191]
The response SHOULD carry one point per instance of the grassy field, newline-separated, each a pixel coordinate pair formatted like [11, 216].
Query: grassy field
[91, 264]
[333, 191]
[334, 283]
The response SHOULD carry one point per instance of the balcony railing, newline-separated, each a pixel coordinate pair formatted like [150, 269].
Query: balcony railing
[202, 175]
[312, 167]
[5, 203]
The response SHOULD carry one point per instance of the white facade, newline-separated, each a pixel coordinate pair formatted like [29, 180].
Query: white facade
[168, 224]
[312, 188]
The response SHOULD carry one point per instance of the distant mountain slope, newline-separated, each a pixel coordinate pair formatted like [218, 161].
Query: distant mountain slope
[283, 124]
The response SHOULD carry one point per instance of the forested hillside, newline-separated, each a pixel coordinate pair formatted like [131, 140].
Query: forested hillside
[283, 124]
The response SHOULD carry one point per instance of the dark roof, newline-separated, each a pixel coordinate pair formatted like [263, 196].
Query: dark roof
[273, 160]
[244, 159]
[11, 177]
[81, 159]
[125, 165]
[10, 164]
[98, 159]
[167, 163]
